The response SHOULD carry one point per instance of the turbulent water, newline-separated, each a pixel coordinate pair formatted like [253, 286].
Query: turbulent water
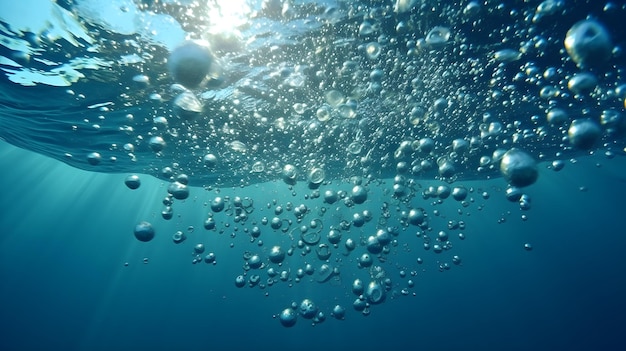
[344, 150]
[349, 87]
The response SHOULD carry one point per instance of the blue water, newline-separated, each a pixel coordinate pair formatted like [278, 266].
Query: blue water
[73, 276]
[67, 234]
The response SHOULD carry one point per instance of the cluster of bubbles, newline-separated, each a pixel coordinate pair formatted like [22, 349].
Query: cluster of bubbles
[428, 89]
[318, 248]
[369, 99]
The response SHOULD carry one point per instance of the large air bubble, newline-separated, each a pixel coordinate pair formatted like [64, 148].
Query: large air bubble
[583, 133]
[144, 231]
[588, 43]
[519, 168]
[190, 63]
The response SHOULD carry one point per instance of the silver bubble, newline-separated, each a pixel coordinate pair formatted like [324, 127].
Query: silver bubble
[288, 317]
[583, 133]
[519, 168]
[358, 287]
[339, 312]
[582, 83]
[588, 43]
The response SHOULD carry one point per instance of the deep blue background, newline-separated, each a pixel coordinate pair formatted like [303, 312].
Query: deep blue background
[66, 234]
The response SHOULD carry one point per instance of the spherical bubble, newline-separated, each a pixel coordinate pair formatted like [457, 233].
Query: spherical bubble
[528, 247]
[199, 248]
[167, 172]
[178, 190]
[459, 193]
[94, 158]
[359, 304]
[132, 181]
[209, 258]
[350, 244]
[399, 190]
[375, 292]
[339, 312]
[300, 273]
[443, 191]
[190, 63]
[209, 223]
[182, 178]
[402, 167]
[157, 143]
[334, 236]
[358, 287]
[368, 215]
[308, 309]
[289, 174]
[557, 116]
[558, 165]
[159, 122]
[358, 220]
[460, 146]
[359, 194]
[583, 133]
[144, 231]
[255, 261]
[383, 237]
[442, 236]
[373, 245]
[276, 223]
[217, 204]
[588, 43]
[446, 168]
[426, 145]
[167, 213]
[366, 260]
[210, 160]
[309, 269]
[271, 272]
[519, 168]
[255, 232]
[277, 254]
[288, 317]
[240, 281]
[415, 216]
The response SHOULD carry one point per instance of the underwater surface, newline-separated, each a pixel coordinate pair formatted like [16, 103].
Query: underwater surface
[306, 175]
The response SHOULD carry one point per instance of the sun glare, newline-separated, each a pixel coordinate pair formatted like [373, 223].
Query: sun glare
[227, 15]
